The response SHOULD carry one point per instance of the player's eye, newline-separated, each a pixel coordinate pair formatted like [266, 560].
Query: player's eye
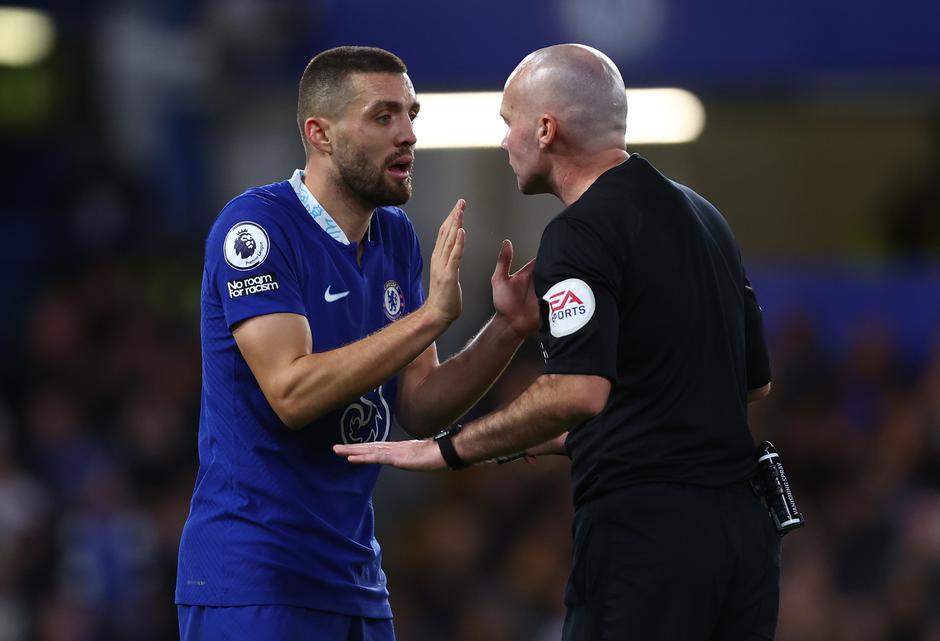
[413, 115]
[384, 118]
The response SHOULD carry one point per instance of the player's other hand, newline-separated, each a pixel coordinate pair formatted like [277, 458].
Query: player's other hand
[444, 295]
[514, 294]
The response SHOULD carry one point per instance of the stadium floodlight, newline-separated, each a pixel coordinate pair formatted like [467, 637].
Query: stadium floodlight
[665, 115]
[26, 36]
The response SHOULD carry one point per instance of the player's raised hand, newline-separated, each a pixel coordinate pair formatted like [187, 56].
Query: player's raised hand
[444, 295]
[407, 455]
[514, 294]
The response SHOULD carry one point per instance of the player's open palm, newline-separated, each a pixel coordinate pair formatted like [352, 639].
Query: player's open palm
[444, 294]
[513, 294]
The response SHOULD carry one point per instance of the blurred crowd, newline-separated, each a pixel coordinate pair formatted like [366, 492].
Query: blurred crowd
[98, 456]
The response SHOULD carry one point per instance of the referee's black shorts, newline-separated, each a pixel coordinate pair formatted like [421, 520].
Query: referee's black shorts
[673, 563]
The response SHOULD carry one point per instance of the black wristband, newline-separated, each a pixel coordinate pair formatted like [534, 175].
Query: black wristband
[446, 445]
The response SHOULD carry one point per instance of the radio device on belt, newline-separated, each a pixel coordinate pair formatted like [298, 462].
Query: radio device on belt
[772, 486]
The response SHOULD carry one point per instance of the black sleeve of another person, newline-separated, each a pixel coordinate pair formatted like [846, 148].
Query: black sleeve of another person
[570, 249]
[758, 361]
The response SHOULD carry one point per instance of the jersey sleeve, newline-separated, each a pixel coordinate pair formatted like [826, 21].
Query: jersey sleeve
[758, 360]
[576, 281]
[252, 263]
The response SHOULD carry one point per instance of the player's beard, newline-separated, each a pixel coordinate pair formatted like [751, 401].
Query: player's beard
[371, 183]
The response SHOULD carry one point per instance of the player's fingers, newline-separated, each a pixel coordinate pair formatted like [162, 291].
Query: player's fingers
[455, 211]
[441, 235]
[454, 217]
[456, 254]
[446, 226]
[456, 226]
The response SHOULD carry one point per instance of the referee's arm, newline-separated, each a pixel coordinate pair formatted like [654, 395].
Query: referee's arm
[756, 353]
[552, 404]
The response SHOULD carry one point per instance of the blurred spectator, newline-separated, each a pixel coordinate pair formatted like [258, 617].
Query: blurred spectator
[912, 216]
[108, 556]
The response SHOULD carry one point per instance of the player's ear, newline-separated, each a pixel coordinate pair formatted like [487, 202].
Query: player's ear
[546, 130]
[318, 133]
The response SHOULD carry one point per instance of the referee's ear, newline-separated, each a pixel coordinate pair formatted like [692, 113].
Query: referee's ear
[547, 130]
[317, 133]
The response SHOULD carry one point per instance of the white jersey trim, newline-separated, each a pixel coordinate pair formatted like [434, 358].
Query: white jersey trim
[315, 209]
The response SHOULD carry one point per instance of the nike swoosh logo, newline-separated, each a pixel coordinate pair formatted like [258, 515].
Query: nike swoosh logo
[334, 297]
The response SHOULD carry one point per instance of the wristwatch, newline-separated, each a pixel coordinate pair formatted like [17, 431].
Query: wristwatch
[446, 444]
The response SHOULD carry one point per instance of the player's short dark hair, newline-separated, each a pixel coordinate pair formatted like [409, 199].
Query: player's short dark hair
[324, 82]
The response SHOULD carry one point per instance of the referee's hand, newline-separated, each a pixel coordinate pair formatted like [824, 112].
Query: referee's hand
[444, 295]
[514, 295]
[423, 455]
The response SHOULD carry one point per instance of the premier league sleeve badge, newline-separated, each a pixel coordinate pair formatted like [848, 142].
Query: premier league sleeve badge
[246, 246]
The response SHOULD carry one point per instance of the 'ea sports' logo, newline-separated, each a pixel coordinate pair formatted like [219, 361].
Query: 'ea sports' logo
[570, 306]
[561, 300]
[246, 246]
[392, 300]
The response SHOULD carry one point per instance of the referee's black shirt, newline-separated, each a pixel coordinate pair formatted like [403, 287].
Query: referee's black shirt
[640, 281]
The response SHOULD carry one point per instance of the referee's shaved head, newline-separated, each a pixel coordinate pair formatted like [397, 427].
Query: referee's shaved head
[325, 88]
[581, 87]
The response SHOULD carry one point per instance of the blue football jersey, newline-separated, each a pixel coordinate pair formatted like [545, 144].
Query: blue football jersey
[276, 517]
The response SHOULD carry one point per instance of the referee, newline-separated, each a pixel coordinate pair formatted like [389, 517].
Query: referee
[653, 346]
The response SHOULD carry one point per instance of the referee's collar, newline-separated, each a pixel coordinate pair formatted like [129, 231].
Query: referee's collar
[316, 210]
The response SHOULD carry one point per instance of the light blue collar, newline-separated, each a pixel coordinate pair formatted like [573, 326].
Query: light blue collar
[315, 209]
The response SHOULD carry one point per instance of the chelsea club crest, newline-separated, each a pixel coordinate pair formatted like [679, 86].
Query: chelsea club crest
[392, 300]
[366, 420]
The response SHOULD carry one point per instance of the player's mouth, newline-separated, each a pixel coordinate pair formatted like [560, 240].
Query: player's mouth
[400, 167]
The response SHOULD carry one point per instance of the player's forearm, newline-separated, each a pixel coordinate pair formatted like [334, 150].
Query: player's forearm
[551, 405]
[317, 383]
[454, 386]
